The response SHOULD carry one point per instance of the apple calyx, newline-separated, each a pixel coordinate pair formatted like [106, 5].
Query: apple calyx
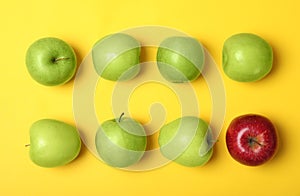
[120, 118]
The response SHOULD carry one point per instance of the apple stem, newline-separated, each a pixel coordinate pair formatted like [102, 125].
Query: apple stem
[26, 145]
[121, 116]
[59, 59]
[252, 140]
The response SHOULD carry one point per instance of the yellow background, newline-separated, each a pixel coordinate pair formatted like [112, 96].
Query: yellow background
[82, 23]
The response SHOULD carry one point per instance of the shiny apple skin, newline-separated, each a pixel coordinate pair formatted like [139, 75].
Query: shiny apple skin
[252, 139]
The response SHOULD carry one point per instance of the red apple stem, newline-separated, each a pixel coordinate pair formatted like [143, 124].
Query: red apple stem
[121, 116]
[252, 140]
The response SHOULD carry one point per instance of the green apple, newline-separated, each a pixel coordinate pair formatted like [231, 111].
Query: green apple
[51, 61]
[117, 57]
[121, 142]
[186, 141]
[180, 59]
[53, 143]
[246, 57]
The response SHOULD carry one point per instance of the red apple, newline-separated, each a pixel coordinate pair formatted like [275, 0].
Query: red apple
[251, 139]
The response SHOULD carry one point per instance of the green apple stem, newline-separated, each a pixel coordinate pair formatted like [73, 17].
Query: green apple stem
[55, 60]
[121, 116]
[26, 145]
